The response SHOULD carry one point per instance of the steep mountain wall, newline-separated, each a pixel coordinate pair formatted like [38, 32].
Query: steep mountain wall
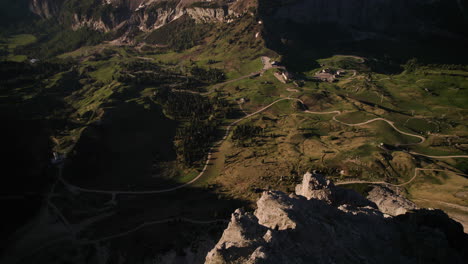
[322, 223]
[378, 16]
[434, 31]
[146, 15]
[45, 8]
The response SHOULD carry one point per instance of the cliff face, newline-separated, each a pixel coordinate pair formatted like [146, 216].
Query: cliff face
[45, 8]
[283, 19]
[322, 223]
[376, 16]
[146, 15]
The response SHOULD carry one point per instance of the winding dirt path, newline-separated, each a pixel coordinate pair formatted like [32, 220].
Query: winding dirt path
[145, 224]
[397, 185]
[440, 157]
[228, 129]
[391, 123]
[360, 59]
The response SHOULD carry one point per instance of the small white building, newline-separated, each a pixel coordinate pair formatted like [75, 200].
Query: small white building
[340, 72]
[287, 76]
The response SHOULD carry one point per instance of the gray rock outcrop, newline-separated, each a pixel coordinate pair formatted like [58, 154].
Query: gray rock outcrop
[303, 228]
[389, 202]
[315, 187]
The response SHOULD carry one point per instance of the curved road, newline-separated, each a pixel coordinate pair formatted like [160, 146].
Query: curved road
[440, 157]
[210, 152]
[397, 185]
[266, 65]
[145, 224]
[392, 124]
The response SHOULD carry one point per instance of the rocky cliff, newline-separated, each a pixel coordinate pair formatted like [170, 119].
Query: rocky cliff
[323, 223]
[284, 20]
[385, 17]
[45, 8]
[146, 15]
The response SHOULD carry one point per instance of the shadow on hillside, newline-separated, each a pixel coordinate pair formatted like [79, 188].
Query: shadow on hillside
[302, 44]
[194, 219]
[25, 170]
[124, 148]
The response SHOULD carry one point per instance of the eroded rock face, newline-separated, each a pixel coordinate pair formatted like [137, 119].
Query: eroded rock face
[45, 8]
[274, 211]
[389, 202]
[146, 15]
[242, 236]
[315, 187]
[300, 229]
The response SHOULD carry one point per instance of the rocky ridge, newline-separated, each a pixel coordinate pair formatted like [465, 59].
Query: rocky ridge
[390, 202]
[322, 223]
[146, 15]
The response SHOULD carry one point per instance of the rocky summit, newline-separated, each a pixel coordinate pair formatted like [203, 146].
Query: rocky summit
[318, 225]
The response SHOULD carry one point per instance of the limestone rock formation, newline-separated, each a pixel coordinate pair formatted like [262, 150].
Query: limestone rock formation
[390, 203]
[315, 188]
[273, 211]
[45, 8]
[146, 15]
[317, 225]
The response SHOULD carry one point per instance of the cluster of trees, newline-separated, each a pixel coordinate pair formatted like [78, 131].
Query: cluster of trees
[145, 78]
[15, 14]
[3, 53]
[244, 132]
[58, 40]
[195, 139]
[147, 73]
[185, 105]
[15, 74]
[413, 65]
[202, 118]
[210, 75]
[451, 67]
[106, 54]
[180, 35]
[29, 93]
[150, 73]
[141, 65]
